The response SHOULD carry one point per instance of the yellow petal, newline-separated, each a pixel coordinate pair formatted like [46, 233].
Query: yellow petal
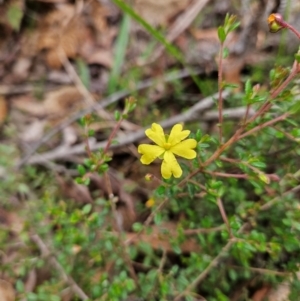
[149, 152]
[170, 166]
[185, 149]
[156, 134]
[177, 134]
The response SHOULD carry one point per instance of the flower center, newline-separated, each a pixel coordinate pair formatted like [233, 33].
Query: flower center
[167, 145]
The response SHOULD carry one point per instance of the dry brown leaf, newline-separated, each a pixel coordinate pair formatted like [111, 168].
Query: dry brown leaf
[63, 102]
[69, 135]
[31, 281]
[27, 104]
[21, 68]
[11, 221]
[261, 294]
[158, 13]
[281, 293]
[99, 13]
[102, 57]
[232, 68]
[53, 59]
[34, 131]
[67, 294]
[160, 239]
[61, 29]
[3, 109]
[7, 292]
[74, 191]
[125, 214]
[205, 34]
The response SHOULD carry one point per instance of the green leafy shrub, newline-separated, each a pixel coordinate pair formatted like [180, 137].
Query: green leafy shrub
[235, 209]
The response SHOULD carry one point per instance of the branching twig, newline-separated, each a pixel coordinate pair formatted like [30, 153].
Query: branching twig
[63, 152]
[264, 125]
[203, 275]
[68, 279]
[101, 105]
[224, 216]
[229, 244]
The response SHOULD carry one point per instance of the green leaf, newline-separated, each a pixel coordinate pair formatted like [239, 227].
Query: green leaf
[234, 26]
[227, 85]
[19, 286]
[248, 87]
[198, 135]
[161, 190]
[86, 181]
[83, 72]
[117, 115]
[258, 164]
[14, 15]
[87, 209]
[297, 57]
[137, 227]
[225, 53]
[91, 133]
[221, 34]
[78, 180]
[295, 108]
[119, 54]
[263, 177]
[81, 169]
[158, 218]
[205, 138]
[157, 35]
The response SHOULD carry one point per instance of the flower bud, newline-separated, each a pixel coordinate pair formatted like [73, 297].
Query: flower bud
[275, 22]
[150, 203]
[148, 177]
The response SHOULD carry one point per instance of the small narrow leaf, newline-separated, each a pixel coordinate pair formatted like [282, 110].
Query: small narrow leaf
[295, 108]
[263, 177]
[83, 72]
[117, 115]
[221, 34]
[248, 87]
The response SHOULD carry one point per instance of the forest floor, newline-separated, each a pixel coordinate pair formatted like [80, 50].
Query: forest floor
[63, 60]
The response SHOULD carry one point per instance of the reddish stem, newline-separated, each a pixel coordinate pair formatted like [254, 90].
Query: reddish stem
[113, 133]
[261, 126]
[224, 216]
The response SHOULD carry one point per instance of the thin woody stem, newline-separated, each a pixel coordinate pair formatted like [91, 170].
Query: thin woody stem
[220, 99]
[293, 30]
[224, 251]
[266, 124]
[288, 26]
[227, 175]
[113, 133]
[266, 106]
[224, 216]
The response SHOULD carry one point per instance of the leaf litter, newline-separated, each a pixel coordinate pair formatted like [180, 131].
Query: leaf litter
[38, 93]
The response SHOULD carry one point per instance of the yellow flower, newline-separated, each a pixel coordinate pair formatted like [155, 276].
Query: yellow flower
[168, 146]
